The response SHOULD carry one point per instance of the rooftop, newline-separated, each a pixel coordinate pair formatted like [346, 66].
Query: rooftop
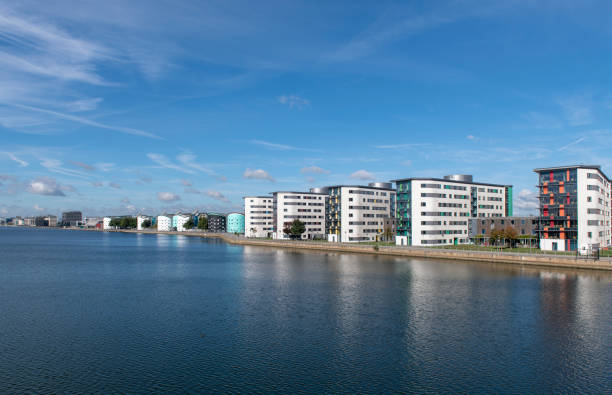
[451, 181]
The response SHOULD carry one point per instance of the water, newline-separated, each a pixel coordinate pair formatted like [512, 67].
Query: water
[85, 312]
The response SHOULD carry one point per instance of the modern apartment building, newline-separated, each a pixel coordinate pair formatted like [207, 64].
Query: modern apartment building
[258, 216]
[574, 207]
[216, 222]
[72, 218]
[140, 220]
[357, 213]
[164, 223]
[436, 211]
[235, 223]
[179, 221]
[308, 207]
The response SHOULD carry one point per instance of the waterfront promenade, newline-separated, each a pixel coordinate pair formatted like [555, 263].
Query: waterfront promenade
[527, 259]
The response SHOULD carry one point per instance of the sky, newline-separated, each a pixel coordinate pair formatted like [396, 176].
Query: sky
[120, 107]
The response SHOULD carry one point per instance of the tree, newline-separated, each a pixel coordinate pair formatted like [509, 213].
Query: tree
[115, 222]
[189, 224]
[511, 235]
[297, 228]
[146, 223]
[497, 235]
[203, 223]
[128, 223]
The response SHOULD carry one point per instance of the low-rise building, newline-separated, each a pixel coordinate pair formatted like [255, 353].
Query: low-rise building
[308, 207]
[258, 216]
[92, 222]
[523, 226]
[164, 223]
[106, 223]
[179, 221]
[72, 218]
[235, 223]
[140, 220]
[216, 222]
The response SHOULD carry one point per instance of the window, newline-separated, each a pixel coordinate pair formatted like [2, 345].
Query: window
[590, 235]
[589, 199]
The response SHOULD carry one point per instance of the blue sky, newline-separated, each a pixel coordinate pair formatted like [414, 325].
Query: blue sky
[121, 107]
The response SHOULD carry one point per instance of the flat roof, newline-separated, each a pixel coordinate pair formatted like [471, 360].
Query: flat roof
[592, 167]
[301, 193]
[359, 186]
[259, 197]
[450, 181]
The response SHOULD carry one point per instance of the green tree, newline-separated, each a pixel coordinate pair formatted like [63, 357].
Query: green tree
[511, 235]
[146, 223]
[116, 222]
[127, 223]
[297, 228]
[189, 224]
[203, 223]
[497, 235]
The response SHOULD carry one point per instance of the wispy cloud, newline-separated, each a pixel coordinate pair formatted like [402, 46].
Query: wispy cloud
[281, 147]
[313, 170]
[577, 110]
[164, 162]
[56, 166]
[114, 185]
[402, 146]
[186, 183]
[362, 175]
[257, 174]
[577, 141]
[294, 101]
[217, 195]
[82, 165]
[88, 122]
[168, 197]
[14, 158]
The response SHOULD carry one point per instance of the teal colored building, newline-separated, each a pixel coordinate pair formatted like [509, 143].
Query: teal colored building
[235, 223]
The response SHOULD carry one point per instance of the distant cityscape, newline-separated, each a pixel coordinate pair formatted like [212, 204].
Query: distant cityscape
[574, 212]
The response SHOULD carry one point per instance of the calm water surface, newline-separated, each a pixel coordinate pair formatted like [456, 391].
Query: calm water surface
[85, 312]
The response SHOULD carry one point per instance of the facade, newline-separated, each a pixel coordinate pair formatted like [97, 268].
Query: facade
[92, 222]
[140, 220]
[524, 226]
[164, 223]
[51, 219]
[106, 223]
[29, 221]
[258, 216]
[72, 218]
[308, 207]
[235, 223]
[574, 208]
[357, 213]
[179, 221]
[216, 223]
[436, 211]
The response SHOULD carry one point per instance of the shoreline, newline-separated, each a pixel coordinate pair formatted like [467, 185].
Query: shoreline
[532, 260]
[521, 259]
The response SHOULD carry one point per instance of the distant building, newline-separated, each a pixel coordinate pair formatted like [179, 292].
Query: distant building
[164, 223]
[140, 220]
[258, 213]
[524, 226]
[436, 211]
[308, 207]
[41, 221]
[29, 221]
[106, 223]
[216, 222]
[51, 220]
[72, 218]
[179, 221]
[92, 222]
[574, 208]
[357, 213]
[235, 223]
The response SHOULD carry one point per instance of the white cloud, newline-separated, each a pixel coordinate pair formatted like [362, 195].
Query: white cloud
[168, 197]
[217, 195]
[313, 170]
[47, 186]
[83, 104]
[362, 175]
[105, 167]
[294, 101]
[163, 161]
[472, 137]
[38, 208]
[526, 201]
[402, 146]
[257, 174]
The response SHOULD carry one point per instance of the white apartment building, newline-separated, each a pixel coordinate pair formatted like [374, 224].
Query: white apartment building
[106, 223]
[308, 207]
[357, 213]
[179, 221]
[575, 208]
[164, 223]
[258, 216]
[436, 211]
[139, 221]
